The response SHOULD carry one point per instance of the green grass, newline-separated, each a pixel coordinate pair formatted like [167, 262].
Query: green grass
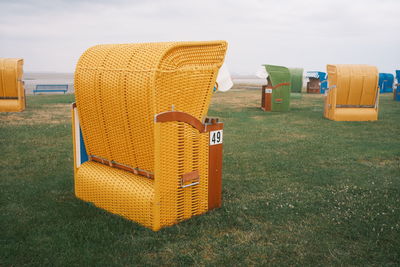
[298, 190]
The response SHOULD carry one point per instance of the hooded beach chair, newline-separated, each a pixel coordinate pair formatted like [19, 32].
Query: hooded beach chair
[386, 81]
[313, 84]
[275, 96]
[353, 93]
[12, 92]
[143, 147]
[317, 83]
[296, 75]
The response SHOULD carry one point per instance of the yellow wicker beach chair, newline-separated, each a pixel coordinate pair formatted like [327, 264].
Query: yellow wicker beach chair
[353, 93]
[152, 155]
[12, 92]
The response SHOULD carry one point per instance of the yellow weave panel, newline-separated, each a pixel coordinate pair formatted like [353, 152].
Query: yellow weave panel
[180, 149]
[203, 170]
[117, 191]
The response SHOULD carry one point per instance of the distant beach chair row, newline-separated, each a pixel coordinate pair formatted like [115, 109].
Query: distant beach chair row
[351, 91]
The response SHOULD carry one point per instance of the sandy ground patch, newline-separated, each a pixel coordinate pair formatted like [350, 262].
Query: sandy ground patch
[50, 114]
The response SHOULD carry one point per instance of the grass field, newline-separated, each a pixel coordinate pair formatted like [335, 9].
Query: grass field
[298, 190]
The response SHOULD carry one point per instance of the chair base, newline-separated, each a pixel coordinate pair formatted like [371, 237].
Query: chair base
[354, 114]
[269, 102]
[313, 90]
[11, 105]
[117, 191]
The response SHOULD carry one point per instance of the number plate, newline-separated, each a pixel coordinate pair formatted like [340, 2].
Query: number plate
[216, 137]
[268, 91]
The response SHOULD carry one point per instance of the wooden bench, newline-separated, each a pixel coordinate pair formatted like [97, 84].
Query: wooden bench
[44, 88]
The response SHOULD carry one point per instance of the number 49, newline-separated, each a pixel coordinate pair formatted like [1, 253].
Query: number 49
[216, 137]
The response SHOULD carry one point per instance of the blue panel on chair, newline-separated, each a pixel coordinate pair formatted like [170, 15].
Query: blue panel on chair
[84, 156]
[323, 79]
[386, 81]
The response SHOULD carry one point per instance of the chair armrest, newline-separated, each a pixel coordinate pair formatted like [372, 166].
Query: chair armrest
[330, 101]
[334, 98]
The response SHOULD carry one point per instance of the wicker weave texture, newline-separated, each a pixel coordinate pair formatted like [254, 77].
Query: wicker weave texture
[12, 94]
[180, 149]
[119, 90]
[101, 184]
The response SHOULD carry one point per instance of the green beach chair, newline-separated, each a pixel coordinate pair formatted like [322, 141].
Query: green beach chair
[276, 94]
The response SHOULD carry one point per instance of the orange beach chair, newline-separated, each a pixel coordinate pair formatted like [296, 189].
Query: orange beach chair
[353, 93]
[12, 92]
[152, 155]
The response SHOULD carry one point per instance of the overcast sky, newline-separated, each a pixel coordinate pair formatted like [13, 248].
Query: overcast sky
[51, 35]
